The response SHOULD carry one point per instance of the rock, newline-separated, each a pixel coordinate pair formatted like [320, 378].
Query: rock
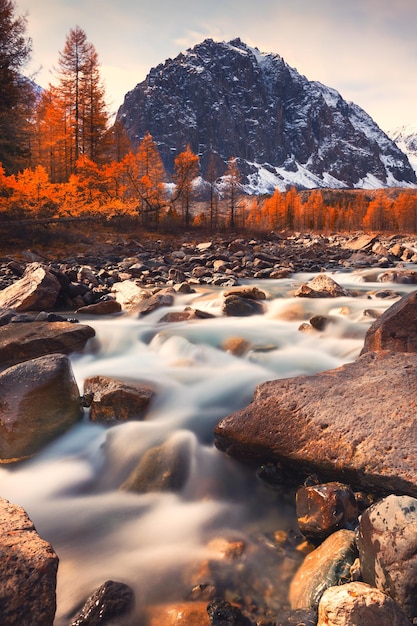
[387, 542]
[321, 286]
[253, 293]
[222, 613]
[39, 401]
[361, 242]
[355, 424]
[357, 604]
[184, 316]
[179, 614]
[396, 328]
[129, 294]
[164, 297]
[300, 617]
[28, 570]
[162, 468]
[20, 342]
[117, 400]
[236, 306]
[323, 509]
[38, 289]
[103, 307]
[405, 277]
[111, 601]
[326, 566]
[236, 345]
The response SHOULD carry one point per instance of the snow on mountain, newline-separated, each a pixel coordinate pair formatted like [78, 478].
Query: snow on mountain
[406, 139]
[231, 100]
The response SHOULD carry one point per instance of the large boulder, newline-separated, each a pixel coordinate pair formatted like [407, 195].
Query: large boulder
[387, 542]
[116, 400]
[396, 328]
[28, 569]
[37, 290]
[321, 286]
[39, 401]
[355, 424]
[20, 342]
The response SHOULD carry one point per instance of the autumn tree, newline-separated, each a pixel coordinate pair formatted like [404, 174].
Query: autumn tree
[186, 170]
[211, 177]
[81, 100]
[17, 92]
[232, 178]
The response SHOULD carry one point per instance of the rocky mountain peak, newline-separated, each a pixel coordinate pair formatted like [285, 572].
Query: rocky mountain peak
[229, 99]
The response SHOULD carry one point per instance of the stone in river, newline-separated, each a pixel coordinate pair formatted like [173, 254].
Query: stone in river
[37, 290]
[326, 566]
[117, 400]
[28, 570]
[111, 601]
[322, 509]
[356, 424]
[359, 603]
[396, 328]
[178, 614]
[321, 286]
[39, 401]
[387, 542]
[20, 342]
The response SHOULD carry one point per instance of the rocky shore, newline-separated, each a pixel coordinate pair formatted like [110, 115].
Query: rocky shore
[344, 439]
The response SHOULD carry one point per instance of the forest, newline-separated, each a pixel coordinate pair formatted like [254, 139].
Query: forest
[62, 159]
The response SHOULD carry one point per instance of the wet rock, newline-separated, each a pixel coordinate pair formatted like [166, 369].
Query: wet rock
[20, 342]
[406, 277]
[116, 400]
[253, 293]
[357, 603]
[236, 306]
[222, 613]
[319, 322]
[178, 614]
[236, 345]
[39, 401]
[321, 286]
[103, 307]
[129, 294]
[327, 566]
[355, 424]
[37, 290]
[323, 509]
[112, 601]
[300, 617]
[164, 297]
[396, 328]
[28, 570]
[162, 468]
[184, 316]
[387, 542]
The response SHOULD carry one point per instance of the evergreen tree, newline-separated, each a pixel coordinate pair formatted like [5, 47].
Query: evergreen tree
[17, 94]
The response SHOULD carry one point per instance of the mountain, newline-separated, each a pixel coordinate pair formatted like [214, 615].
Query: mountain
[406, 139]
[232, 100]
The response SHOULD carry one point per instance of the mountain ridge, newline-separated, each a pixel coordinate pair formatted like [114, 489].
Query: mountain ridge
[231, 100]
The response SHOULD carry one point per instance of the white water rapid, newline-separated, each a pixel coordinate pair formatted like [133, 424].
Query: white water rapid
[71, 489]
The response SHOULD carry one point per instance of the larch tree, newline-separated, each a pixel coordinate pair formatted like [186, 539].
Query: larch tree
[186, 170]
[232, 178]
[81, 95]
[17, 92]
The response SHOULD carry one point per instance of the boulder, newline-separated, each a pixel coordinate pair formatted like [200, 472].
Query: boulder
[178, 614]
[117, 400]
[164, 297]
[162, 468]
[39, 401]
[20, 342]
[37, 290]
[223, 613]
[103, 307]
[387, 542]
[186, 315]
[396, 328]
[111, 601]
[28, 570]
[358, 603]
[326, 566]
[236, 306]
[321, 286]
[129, 294]
[354, 424]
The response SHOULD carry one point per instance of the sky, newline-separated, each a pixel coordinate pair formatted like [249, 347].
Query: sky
[366, 49]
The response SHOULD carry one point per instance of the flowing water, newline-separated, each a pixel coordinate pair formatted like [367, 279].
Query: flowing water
[71, 489]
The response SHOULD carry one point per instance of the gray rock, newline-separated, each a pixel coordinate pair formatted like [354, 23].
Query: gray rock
[117, 400]
[387, 542]
[39, 401]
[355, 424]
[111, 601]
[321, 286]
[28, 570]
[357, 604]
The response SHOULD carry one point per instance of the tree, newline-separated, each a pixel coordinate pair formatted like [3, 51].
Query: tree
[232, 178]
[81, 100]
[186, 170]
[17, 92]
[211, 177]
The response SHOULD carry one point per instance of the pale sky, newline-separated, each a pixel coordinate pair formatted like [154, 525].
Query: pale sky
[366, 49]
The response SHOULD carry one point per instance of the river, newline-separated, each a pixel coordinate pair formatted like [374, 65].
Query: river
[71, 489]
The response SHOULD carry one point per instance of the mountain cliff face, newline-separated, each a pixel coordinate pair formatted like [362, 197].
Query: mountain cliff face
[232, 100]
[406, 139]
